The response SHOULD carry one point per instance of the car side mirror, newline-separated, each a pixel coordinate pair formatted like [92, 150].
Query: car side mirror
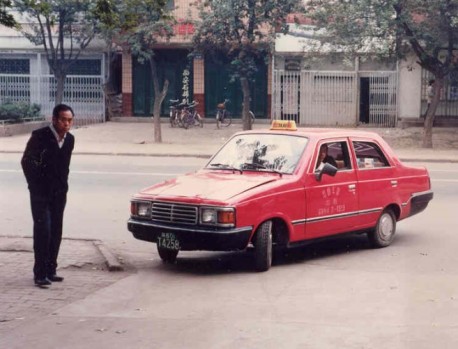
[325, 168]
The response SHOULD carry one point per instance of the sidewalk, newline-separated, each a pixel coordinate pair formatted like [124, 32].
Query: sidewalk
[80, 262]
[137, 139]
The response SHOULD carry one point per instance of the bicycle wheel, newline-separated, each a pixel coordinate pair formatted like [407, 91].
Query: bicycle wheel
[187, 121]
[173, 118]
[198, 121]
[253, 117]
[218, 118]
[226, 119]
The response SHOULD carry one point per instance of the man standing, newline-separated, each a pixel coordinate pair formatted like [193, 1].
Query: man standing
[46, 165]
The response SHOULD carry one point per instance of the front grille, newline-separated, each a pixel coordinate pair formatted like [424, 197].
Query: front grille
[174, 213]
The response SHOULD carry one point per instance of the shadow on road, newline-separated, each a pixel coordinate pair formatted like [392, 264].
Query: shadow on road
[212, 263]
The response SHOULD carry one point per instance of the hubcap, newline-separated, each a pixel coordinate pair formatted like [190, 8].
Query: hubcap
[386, 227]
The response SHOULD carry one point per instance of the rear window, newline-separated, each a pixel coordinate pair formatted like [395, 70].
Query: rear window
[369, 155]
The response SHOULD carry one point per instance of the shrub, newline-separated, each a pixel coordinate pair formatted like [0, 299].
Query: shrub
[18, 111]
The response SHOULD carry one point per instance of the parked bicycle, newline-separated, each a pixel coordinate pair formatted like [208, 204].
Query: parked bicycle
[190, 117]
[175, 112]
[223, 117]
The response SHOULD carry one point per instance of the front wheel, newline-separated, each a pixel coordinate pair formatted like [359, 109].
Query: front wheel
[263, 247]
[198, 120]
[167, 256]
[383, 234]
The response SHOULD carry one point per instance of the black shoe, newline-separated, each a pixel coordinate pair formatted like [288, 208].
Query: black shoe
[42, 282]
[55, 278]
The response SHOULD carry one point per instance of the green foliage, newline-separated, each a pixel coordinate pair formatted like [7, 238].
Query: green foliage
[242, 31]
[18, 111]
[139, 23]
[6, 18]
[392, 28]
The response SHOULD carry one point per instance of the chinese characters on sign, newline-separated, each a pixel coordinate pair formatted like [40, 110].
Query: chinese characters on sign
[185, 88]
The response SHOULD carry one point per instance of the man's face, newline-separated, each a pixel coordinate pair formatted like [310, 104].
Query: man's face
[323, 152]
[63, 123]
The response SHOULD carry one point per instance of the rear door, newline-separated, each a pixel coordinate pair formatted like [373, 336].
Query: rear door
[377, 182]
[332, 202]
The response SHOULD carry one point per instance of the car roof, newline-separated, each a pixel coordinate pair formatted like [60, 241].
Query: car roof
[317, 133]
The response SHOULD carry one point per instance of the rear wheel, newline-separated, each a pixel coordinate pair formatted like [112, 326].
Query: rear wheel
[227, 119]
[167, 256]
[383, 234]
[263, 247]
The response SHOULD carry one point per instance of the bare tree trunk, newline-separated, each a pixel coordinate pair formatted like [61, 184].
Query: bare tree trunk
[431, 114]
[60, 88]
[159, 96]
[246, 119]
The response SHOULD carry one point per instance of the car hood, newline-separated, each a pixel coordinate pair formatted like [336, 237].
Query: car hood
[217, 186]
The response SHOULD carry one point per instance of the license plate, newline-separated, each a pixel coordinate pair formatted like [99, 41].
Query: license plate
[168, 241]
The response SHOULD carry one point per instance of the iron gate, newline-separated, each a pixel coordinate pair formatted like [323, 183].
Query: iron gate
[326, 98]
[84, 93]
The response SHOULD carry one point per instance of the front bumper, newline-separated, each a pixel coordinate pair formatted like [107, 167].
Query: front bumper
[193, 238]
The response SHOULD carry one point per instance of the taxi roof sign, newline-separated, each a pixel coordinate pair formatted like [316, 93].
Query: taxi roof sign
[285, 125]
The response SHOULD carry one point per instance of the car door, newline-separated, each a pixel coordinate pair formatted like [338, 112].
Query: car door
[377, 181]
[332, 201]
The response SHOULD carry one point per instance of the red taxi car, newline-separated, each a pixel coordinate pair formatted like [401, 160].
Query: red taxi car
[283, 187]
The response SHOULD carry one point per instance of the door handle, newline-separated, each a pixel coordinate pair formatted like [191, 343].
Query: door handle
[394, 183]
[352, 186]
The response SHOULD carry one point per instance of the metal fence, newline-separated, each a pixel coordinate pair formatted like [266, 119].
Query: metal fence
[448, 103]
[84, 93]
[324, 98]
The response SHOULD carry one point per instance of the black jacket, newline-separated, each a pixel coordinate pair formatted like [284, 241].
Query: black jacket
[45, 165]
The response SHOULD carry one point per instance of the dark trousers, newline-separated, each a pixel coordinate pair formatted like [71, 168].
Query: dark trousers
[48, 214]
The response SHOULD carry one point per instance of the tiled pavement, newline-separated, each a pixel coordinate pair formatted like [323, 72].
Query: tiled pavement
[82, 265]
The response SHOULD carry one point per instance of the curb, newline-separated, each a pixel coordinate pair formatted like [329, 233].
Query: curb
[110, 260]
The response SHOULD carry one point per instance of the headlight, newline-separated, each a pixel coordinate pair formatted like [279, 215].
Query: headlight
[223, 217]
[140, 208]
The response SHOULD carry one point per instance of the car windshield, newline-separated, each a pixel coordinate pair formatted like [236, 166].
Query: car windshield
[260, 152]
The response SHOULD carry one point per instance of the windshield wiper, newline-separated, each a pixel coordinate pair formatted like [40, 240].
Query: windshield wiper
[256, 166]
[226, 167]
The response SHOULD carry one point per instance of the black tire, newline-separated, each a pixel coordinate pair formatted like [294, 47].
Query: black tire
[186, 122]
[227, 119]
[263, 247]
[167, 256]
[383, 234]
[199, 121]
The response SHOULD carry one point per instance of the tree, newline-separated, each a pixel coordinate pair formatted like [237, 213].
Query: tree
[139, 25]
[6, 18]
[395, 28]
[64, 28]
[244, 32]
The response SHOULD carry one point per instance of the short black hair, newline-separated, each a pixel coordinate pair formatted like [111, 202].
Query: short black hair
[61, 107]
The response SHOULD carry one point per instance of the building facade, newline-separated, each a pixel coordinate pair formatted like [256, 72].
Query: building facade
[25, 76]
[323, 90]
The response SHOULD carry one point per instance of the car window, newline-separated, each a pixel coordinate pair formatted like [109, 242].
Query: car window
[334, 153]
[260, 152]
[369, 155]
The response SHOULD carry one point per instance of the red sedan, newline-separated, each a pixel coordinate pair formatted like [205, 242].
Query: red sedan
[282, 187]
